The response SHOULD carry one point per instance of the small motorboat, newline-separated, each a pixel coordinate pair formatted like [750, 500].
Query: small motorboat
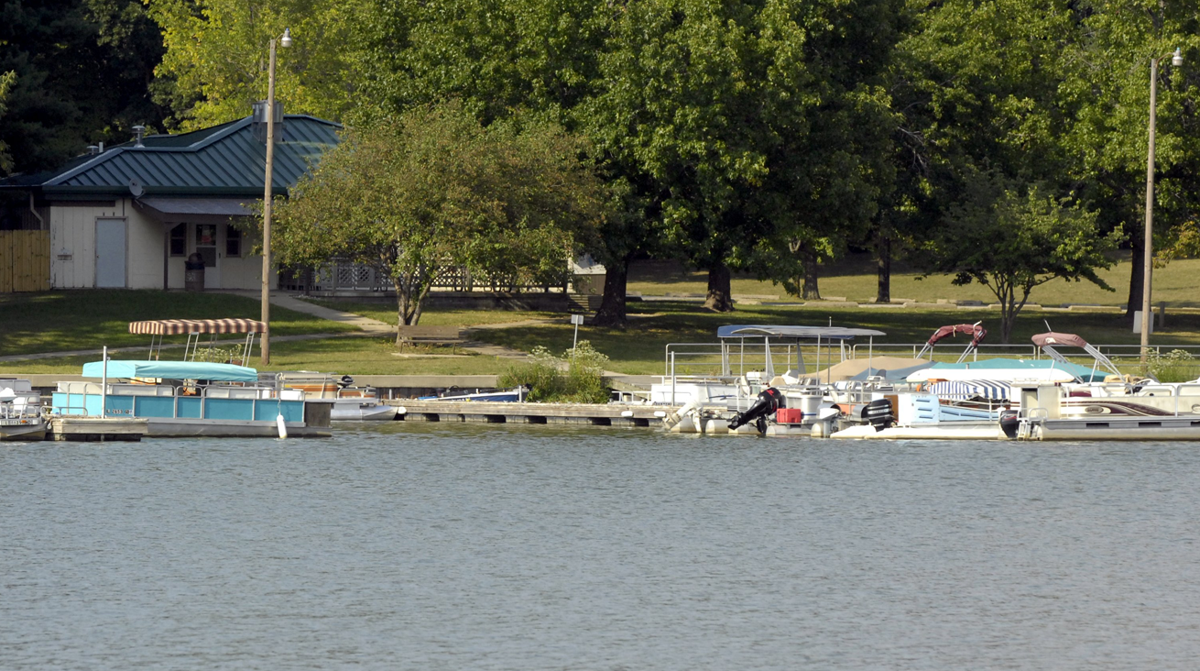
[20, 411]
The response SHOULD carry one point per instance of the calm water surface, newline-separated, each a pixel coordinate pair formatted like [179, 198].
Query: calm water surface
[426, 546]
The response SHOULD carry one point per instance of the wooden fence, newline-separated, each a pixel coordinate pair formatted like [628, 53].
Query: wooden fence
[24, 261]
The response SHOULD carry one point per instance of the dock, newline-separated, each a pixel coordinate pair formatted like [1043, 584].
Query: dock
[609, 414]
[96, 429]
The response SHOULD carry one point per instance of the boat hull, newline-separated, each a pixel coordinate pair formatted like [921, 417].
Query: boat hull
[1118, 428]
[356, 411]
[167, 427]
[22, 429]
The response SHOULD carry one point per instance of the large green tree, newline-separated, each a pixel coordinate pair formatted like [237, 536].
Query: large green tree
[216, 60]
[503, 57]
[752, 126]
[433, 188]
[6, 82]
[1013, 242]
[1108, 82]
[81, 75]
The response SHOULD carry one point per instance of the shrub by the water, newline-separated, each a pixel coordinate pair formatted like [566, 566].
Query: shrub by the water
[576, 377]
[1175, 366]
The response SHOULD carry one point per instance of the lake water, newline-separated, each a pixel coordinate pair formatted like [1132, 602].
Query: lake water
[442, 546]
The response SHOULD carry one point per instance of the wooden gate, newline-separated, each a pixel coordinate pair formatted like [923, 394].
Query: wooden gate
[24, 261]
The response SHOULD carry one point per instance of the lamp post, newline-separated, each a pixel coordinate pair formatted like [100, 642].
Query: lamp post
[1148, 242]
[265, 343]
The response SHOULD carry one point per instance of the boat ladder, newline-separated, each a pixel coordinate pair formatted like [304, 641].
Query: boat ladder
[1030, 426]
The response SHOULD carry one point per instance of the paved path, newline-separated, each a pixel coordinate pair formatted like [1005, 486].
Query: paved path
[284, 300]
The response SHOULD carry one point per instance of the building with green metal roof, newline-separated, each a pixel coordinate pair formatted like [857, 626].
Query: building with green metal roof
[132, 215]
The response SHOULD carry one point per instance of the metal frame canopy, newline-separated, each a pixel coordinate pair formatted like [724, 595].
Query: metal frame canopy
[194, 328]
[809, 332]
[828, 334]
[171, 370]
[1047, 341]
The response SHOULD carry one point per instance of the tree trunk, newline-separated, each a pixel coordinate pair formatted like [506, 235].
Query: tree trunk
[720, 295]
[809, 291]
[402, 300]
[1136, 273]
[612, 304]
[883, 269]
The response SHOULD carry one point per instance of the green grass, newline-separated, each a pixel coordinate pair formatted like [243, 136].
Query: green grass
[59, 321]
[640, 348]
[385, 311]
[854, 279]
[353, 356]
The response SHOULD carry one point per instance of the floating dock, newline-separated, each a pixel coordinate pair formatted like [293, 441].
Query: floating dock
[97, 429]
[609, 414]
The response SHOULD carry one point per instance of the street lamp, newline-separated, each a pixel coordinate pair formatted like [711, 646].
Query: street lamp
[265, 343]
[1148, 244]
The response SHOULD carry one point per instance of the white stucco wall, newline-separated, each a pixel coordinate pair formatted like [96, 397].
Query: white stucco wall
[73, 250]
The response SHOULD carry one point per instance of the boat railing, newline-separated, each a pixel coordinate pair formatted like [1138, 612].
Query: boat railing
[945, 351]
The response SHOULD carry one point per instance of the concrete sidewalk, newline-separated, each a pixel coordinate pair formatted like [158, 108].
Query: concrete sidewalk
[285, 300]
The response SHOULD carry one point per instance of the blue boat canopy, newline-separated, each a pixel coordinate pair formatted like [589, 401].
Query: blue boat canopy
[1084, 373]
[172, 370]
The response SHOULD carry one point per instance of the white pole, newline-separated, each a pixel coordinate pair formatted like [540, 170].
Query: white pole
[103, 382]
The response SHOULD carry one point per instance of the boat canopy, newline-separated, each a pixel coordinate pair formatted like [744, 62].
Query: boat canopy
[157, 329]
[1009, 369]
[1048, 341]
[889, 368]
[989, 389]
[812, 332]
[172, 370]
[181, 326]
[976, 331]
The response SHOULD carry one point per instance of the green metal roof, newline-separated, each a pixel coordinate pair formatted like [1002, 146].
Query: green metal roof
[223, 160]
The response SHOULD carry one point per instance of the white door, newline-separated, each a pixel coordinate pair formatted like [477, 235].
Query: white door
[207, 246]
[110, 253]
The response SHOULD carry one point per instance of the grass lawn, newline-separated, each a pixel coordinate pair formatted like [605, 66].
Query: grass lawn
[60, 321]
[385, 311]
[353, 356]
[854, 279]
[640, 348]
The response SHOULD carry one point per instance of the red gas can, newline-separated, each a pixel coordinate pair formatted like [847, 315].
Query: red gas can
[788, 416]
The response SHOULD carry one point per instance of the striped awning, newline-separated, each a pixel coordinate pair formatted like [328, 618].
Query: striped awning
[180, 326]
[991, 389]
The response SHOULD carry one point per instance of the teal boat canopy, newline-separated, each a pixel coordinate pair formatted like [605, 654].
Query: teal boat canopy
[1084, 373]
[172, 370]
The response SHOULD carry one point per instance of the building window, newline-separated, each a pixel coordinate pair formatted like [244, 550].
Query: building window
[233, 242]
[179, 240]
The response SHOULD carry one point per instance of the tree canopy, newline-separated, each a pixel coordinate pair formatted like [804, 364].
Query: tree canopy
[1012, 242]
[432, 188]
[764, 136]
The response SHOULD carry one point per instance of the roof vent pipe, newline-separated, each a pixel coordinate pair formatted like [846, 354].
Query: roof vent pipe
[139, 133]
[258, 121]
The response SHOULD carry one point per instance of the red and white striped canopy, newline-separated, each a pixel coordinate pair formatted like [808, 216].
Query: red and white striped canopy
[179, 326]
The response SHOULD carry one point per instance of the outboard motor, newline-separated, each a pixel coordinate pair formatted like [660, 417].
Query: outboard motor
[1010, 423]
[878, 413]
[346, 381]
[769, 400]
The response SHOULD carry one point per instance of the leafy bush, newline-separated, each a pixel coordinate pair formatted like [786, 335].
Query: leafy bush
[1176, 366]
[219, 355]
[576, 377]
